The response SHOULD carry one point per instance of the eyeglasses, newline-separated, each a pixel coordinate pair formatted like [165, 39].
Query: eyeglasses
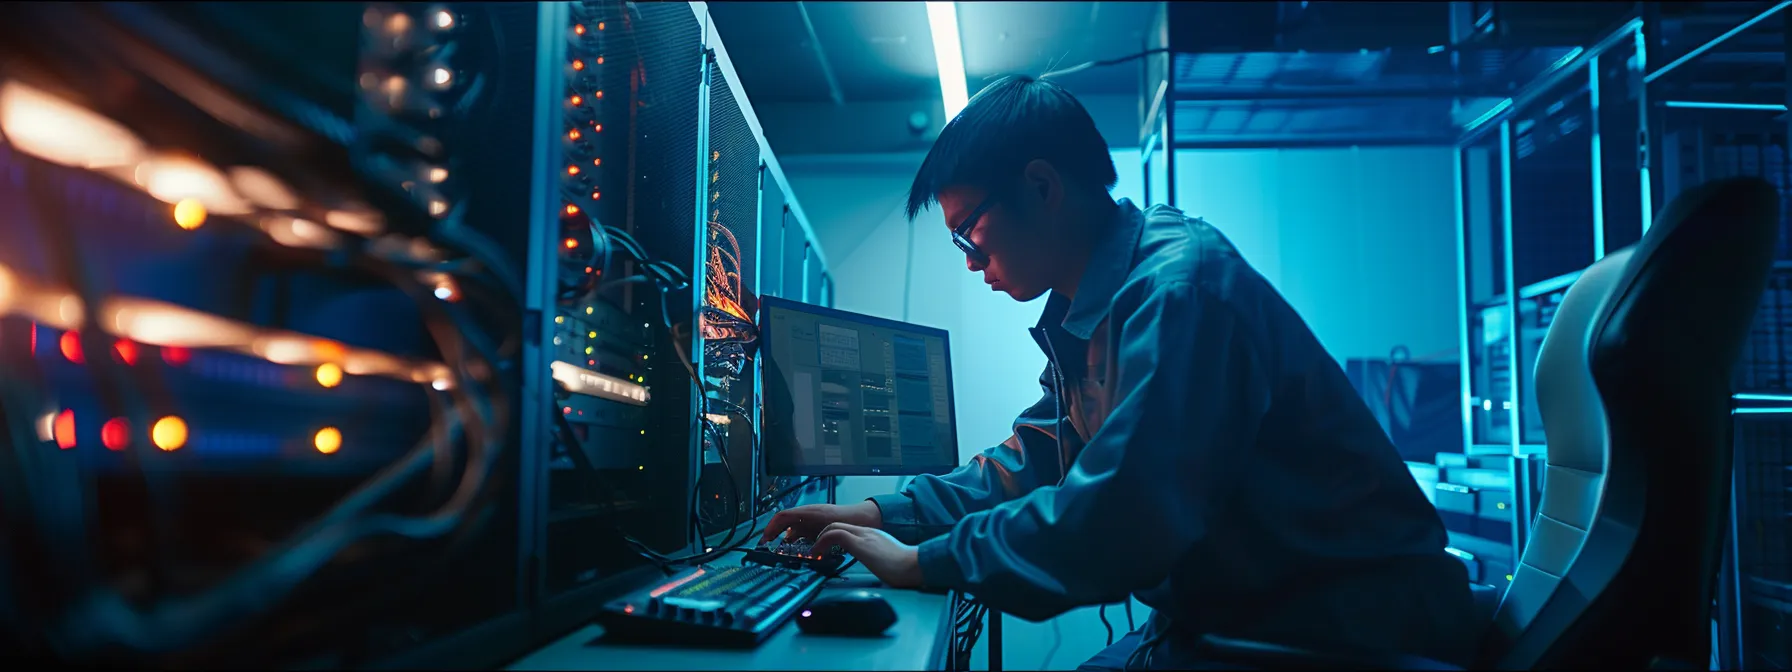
[961, 236]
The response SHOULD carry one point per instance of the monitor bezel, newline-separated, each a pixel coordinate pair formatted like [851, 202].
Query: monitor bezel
[782, 461]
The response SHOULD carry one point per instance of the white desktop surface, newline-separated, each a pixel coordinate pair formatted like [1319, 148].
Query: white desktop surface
[910, 644]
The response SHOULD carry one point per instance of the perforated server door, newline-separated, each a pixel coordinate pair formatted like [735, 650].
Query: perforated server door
[733, 178]
[1552, 187]
[631, 100]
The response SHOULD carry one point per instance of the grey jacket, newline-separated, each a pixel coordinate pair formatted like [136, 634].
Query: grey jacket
[1216, 461]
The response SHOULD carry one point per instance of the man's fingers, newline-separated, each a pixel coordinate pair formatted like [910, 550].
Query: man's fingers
[832, 537]
[848, 528]
[781, 521]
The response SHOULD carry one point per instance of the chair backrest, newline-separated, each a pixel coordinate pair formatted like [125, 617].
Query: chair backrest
[1574, 473]
[1633, 385]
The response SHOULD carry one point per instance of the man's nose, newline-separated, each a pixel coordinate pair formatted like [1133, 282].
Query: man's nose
[973, 265]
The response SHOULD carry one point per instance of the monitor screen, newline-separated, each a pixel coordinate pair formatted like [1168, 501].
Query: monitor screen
[853, 395]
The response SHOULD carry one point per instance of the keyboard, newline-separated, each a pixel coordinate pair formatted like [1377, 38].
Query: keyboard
[712, 606]
[799, 554]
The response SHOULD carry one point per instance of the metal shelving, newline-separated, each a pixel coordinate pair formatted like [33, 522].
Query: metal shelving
[1570, 123]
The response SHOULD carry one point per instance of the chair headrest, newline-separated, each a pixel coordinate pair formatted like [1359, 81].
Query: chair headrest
[1690, 291]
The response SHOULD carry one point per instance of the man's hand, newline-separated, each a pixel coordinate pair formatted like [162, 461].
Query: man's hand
[807, 522]
[895, 563]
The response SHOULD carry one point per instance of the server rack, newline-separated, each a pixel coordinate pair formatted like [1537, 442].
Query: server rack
[358, 153]
[786, 260]
[1679, 94]
[1719, 96]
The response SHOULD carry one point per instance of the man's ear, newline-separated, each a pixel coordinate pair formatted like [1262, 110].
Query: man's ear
[1045, 181]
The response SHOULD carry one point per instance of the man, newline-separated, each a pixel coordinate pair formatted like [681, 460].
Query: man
[1215, 460]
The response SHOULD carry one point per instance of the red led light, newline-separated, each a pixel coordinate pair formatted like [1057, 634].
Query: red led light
[578, 65]
[127, 352]
[115, 434]
[33, 339]
[566, 411]
[597, 127]
[572, 209]
[70, 343]
[600, 60]
[177, 356]
[64, 429]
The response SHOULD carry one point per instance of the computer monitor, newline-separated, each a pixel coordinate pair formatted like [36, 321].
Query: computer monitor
[853, 395]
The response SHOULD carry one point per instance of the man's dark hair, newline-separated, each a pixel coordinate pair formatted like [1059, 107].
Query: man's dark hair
[1007, 125]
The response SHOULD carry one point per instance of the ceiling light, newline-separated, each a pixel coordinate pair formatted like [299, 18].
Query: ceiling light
[942, 20]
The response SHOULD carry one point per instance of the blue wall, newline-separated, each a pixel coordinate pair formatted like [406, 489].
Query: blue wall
[1358, 240]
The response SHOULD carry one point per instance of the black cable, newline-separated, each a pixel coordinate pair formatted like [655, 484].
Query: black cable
[1103, 614]
[1103, 63]
[1131, 627]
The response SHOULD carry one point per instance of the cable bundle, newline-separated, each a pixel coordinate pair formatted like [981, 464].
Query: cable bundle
[410, 236]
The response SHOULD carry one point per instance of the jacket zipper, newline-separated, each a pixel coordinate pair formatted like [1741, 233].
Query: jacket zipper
[1051, 358]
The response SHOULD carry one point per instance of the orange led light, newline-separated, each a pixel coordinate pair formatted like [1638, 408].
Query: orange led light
[597, 94]
[127, 352]
[597, 162]
[328, 440]
[64, 429]
[328, 374]
[169, 433]
[578, 29]
[570, 243]
[578, 65]
[595, 195]
[600, 25]
[572, 209]
[600, 60]
[578, 100]
[70, 344]
[573, 134]
[597, 127]
[115, 434]
[189, 214]
[572, 170]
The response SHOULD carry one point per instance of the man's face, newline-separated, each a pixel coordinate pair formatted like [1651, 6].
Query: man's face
[1013, 233]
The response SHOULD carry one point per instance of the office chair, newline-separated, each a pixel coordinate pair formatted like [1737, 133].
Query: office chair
[1633, 384]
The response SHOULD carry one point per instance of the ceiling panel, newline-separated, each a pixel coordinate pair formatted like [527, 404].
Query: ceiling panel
[770, 50]
[1033, 38]
[883, 51]
[878, 50]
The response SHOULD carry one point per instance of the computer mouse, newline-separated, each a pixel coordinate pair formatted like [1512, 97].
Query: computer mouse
[857, 613]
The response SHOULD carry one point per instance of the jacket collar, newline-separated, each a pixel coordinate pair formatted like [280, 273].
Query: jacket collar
[1109, 264]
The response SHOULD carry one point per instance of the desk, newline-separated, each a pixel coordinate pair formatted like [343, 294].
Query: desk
[918, 641]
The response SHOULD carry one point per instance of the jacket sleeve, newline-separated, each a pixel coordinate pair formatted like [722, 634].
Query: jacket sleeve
[1190, 395]
[930, 505]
